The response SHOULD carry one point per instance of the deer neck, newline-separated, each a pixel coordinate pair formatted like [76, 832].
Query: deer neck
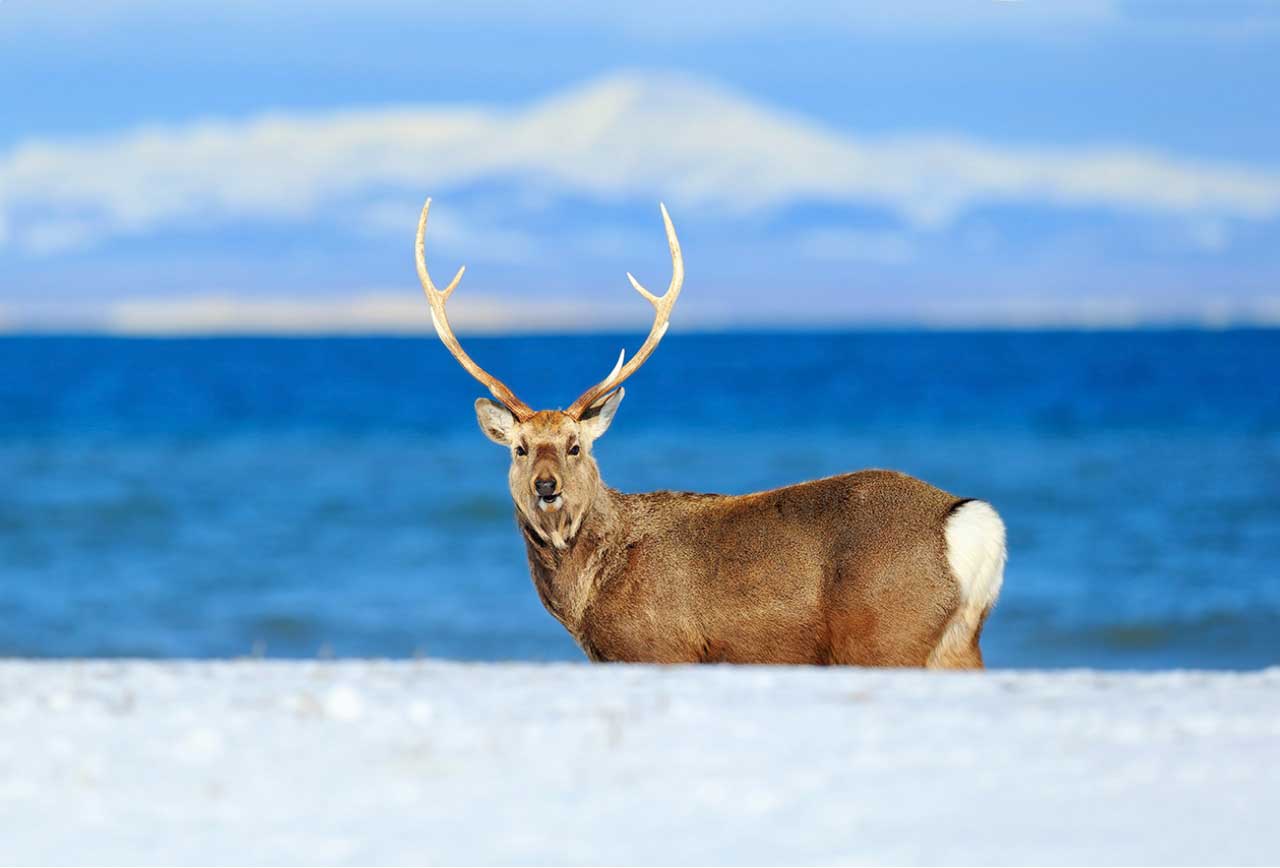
[567, 570]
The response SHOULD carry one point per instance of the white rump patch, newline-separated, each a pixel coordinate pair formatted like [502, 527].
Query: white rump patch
[976, 554]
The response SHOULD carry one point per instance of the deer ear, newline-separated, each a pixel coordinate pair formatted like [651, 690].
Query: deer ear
[595, 421]
[496, 421]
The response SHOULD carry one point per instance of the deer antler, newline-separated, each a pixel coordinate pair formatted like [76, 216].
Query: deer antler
[436, 298]
[661, 319]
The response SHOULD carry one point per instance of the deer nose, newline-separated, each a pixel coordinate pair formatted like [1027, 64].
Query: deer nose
[545, 486]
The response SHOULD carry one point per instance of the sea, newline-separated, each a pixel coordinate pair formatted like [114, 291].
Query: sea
[333, 497]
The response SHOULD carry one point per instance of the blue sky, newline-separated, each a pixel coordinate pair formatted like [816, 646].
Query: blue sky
[233, 165]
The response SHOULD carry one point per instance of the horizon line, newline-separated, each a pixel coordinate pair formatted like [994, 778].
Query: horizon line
[1173, 324]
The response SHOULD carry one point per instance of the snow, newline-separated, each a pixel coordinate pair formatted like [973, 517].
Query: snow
[424, 762]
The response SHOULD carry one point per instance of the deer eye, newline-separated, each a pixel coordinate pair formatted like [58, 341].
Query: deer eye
[520, 450]
[574, 449]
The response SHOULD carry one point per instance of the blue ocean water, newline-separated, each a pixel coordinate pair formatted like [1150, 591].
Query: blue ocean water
[300, 497]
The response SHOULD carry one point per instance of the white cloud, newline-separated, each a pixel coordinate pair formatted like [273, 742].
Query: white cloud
[215, 314]
[389, 312]
[405, 312]
[628, 137]
[1087, 311]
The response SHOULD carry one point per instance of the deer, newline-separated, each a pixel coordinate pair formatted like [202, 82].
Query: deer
[871, 568]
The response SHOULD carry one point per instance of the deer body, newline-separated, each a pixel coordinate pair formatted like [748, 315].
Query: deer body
[873, 568]
[847, 570]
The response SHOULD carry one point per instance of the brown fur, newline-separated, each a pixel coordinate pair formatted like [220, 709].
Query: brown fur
[846, 570]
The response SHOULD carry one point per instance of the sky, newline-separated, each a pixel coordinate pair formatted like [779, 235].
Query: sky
[238, 166]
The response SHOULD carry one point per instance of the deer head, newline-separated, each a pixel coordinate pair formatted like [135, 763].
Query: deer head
[553, 477]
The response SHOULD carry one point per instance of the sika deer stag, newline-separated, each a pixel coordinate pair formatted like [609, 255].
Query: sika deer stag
[873, 568]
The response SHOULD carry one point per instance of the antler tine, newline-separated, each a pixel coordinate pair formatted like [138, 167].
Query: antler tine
[437, 298]
[662, 306]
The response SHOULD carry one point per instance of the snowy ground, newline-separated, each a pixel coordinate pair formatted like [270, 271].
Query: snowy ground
[335, 762]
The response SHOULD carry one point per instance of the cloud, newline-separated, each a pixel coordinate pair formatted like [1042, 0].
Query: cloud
[1097, 312]
[406, 313]
[220, 314]
[387, 312]
[622, 138]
